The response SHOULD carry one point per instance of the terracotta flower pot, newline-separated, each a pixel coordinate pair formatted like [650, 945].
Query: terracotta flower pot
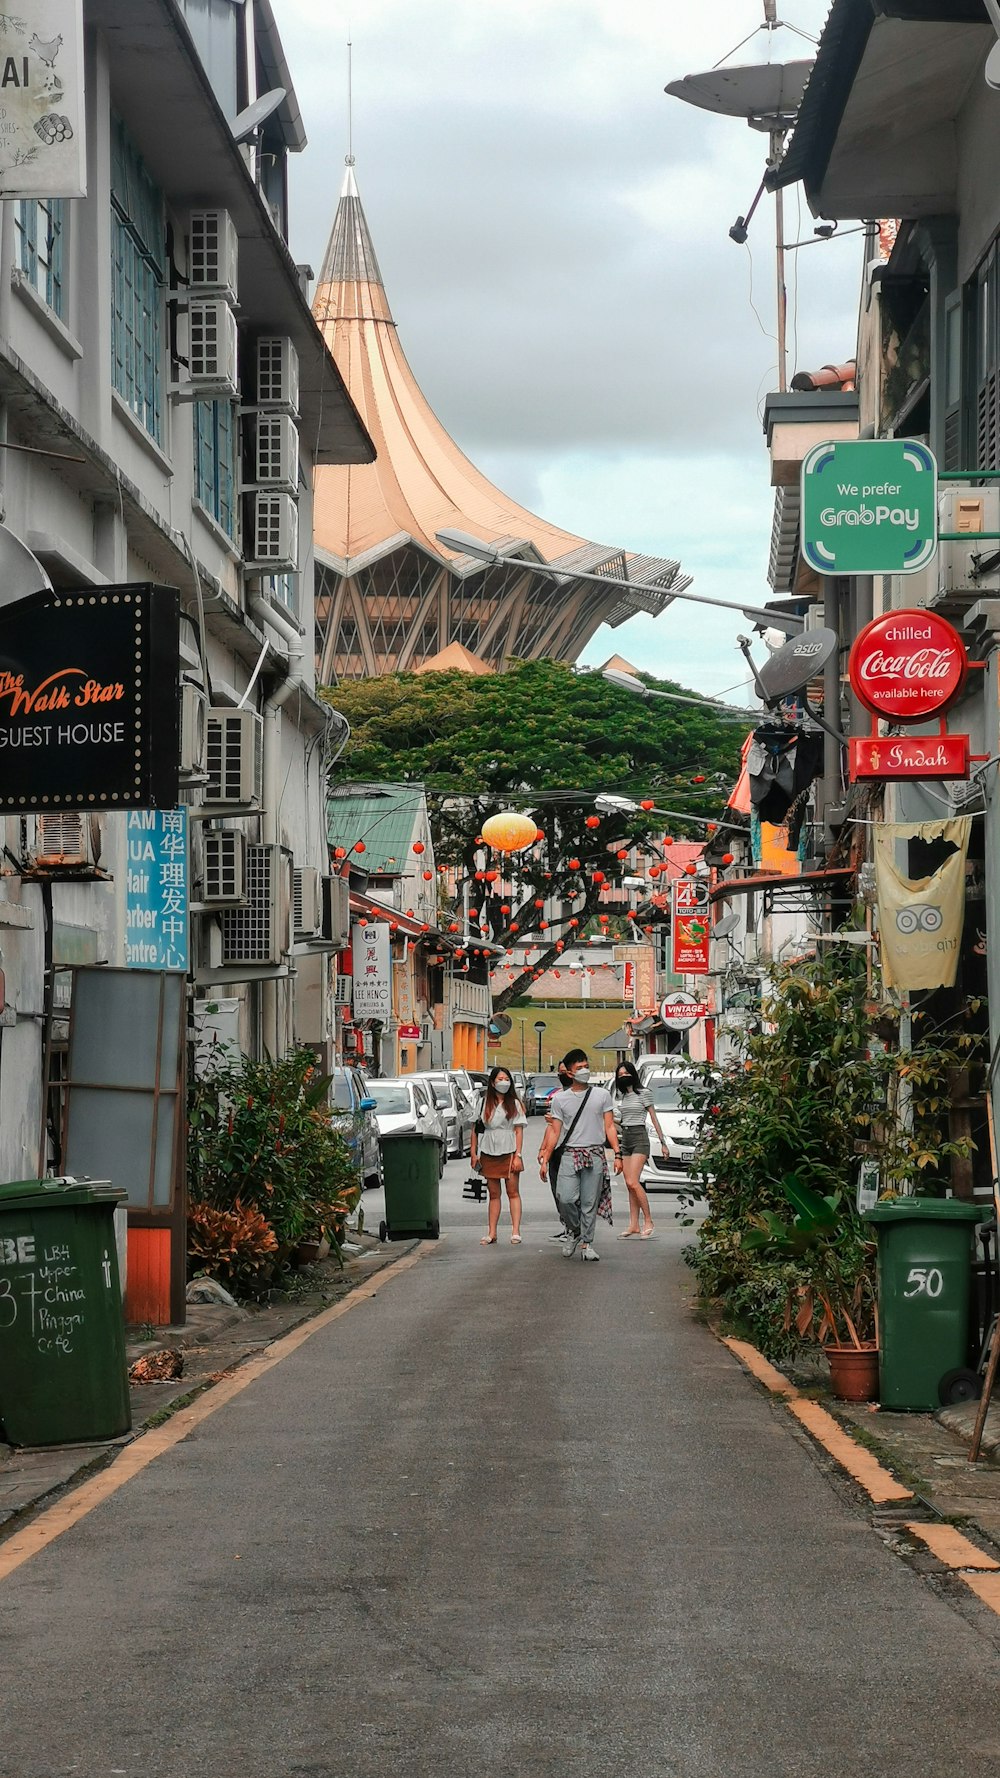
[853, 1372]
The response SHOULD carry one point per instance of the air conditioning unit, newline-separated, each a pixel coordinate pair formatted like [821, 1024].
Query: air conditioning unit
[274, 535]
[969, 570]
[234, 758]
[277, 381]
[212, 346]
[904, 592]
[224, 867]
[260, 932]
[336, 928]
[275, 461]
[65, 839]
[213, 252]
[307, 902]
[193, 708]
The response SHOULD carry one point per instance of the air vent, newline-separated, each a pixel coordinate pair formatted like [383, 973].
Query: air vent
[234, 758]
[259, 932]
[307, 903]
[275, 534]
[224, 877]
[277, 373]
[62, 839]
[212, 347]
[213, 252]
[276, 452]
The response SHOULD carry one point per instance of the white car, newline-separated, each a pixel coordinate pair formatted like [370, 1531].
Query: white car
[669, 1161]
[404, 1106]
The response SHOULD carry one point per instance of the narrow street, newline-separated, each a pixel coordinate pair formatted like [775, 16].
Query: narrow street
[513, 1515]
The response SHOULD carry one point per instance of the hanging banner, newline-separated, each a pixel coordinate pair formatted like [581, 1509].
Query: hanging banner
[372, 971]
[156, 889]
[643, 980]
[920, 919]
[42, 117]
[690, 927]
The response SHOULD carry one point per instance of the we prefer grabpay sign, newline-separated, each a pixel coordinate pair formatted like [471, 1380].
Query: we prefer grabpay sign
[869, 506]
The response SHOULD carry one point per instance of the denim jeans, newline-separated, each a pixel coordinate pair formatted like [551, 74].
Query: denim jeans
[579, 1195]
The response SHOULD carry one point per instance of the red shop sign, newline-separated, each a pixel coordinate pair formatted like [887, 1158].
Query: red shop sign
[908, 665]
[909, 756]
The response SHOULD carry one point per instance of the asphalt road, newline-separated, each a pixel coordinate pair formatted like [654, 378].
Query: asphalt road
[515, 1515]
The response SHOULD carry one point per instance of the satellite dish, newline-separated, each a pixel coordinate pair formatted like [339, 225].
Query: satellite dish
[993, 67]
[765, 91]
[21, 573]
[791, 667]
[248, 122]
[725, 926]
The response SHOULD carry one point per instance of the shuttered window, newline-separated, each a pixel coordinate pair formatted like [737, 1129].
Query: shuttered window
[138, 265]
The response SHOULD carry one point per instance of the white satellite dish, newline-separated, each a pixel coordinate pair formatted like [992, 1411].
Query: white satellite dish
[248, 122]
[725, 926]
[764, 91]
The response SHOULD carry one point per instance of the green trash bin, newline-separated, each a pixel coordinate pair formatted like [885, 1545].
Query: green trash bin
[63, 1376]
[924, 1285]
[411, 1164]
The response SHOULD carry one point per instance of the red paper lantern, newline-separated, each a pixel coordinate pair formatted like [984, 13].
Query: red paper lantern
[560, 946]
[727, 857]
[360, 846]
[655, 869]
[480, 876]
[418, 847]
[340, 852]
[409, 913]
[514, 926]
[428, 876]
[505, 907]
[491, 875]
[543, 926]
[479, 841]
[539, 901]
[454, 926]
[425, 927]
[574, 922]
[599, 876]
[647, 929]
[700, 779]
[647, 803]
[592, 821]
[689, 870]
[573, 863]
[621, 854]
[711, 827]
[602, 919]
[668, 839]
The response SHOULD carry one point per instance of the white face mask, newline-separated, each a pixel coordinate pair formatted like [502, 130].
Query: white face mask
[502, 1086]
[582, 1076]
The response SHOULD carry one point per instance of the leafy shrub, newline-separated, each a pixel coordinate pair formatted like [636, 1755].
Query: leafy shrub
[236, 1246]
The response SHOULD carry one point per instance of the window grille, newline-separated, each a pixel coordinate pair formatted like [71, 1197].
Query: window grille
[40, 224]
[215, 461]
[137, 280]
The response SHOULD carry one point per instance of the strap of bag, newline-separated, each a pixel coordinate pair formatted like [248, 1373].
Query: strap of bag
[579, 1113]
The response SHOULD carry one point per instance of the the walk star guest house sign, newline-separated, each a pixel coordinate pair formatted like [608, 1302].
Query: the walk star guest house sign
[869, 506]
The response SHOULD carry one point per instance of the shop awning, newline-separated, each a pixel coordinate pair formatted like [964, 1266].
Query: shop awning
[774, 883]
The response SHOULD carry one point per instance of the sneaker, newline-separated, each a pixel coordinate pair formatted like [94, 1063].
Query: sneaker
[561, 1235]
[589, 1252]
[570, 1244]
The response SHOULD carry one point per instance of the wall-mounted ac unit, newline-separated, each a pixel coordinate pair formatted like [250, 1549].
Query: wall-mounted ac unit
[275, 460]
[66, 839]
[274, 537]
[260, 932]
[212, 346]
[277, 380]
[224, 867]
[336, 928]
[969, 570]
[906, 591]
[307, 903]
[213, 252]
[193, 708]
[234, 758]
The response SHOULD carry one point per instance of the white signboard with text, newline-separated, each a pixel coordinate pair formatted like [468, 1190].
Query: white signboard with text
[372, 960]
[42, 117]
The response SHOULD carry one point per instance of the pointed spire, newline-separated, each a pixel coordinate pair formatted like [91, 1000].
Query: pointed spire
[350, 283]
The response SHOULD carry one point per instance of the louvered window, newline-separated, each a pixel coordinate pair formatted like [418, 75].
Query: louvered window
[988, 363]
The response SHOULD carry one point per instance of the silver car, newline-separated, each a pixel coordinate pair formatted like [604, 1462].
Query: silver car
[455, 1108]
[405, 1106]
[669, 1160]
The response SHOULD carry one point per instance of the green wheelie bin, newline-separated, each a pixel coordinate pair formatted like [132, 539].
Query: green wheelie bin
[411, 1164]
[63, 1376]
[924, 1286]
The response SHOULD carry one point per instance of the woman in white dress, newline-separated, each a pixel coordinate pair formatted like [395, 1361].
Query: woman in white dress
[495, 1149]
[632, 1104]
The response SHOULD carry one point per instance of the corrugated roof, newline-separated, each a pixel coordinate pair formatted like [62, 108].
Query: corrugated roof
[383, 817]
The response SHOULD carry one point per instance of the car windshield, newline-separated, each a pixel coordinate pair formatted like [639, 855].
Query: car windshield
[666, 1094]
[389, 1095]
[441, 1090]
[543, 1083]
[342, 1096]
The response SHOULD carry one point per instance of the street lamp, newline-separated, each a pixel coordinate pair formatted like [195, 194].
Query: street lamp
[628, 682]
[465, 544]
[610, 804]
[540, 1027]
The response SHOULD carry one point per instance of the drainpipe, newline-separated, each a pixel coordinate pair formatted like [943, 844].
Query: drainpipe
[273, 1025]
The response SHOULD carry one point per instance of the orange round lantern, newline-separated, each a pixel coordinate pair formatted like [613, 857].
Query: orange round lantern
[539, 903]
[700, 779]
[647, 803]
[539, 835]
[668, 839]
[418, 847]
[572, 864]
[360, 847]
[602, 919]
[428, 876]
[689, 870]
[340, 852]
[592, 821]
[599, 876]
[509, 832]
[727, 857]
[543, 926]
[454, 926]
[574, 922]
[621, 854]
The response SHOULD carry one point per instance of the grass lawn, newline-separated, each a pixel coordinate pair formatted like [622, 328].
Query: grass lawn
[572, 1027]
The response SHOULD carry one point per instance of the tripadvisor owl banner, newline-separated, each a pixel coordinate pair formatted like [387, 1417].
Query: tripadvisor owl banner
[920, 919]
[89, 700]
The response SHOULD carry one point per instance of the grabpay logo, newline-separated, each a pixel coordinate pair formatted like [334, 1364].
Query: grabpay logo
[865, 513]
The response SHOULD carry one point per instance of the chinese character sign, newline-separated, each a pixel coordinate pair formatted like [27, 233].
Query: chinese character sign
[372, 971]
[42, 123]
[689, 926]
[156, 889]
[644, 980]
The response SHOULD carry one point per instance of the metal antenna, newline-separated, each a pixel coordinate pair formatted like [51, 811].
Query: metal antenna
[350, 102]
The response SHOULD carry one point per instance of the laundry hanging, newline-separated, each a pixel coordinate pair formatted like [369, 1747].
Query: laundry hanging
[920, 919]
[781, 764]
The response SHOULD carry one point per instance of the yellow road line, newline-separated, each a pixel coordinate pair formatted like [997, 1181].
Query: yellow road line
[951, 1547]
[758, 1365]
[986, 1587]
[66, 1513]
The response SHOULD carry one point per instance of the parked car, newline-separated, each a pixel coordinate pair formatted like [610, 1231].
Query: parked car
[651, 1062]
[456, 1109]
[353, 1114]
[539, 1091]
[406, 1105]
[669, 1161]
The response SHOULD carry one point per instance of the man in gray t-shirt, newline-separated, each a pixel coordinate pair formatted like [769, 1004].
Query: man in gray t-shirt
[580, 1121]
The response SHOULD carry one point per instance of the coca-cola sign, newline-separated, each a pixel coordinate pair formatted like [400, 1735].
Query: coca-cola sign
[908, 665]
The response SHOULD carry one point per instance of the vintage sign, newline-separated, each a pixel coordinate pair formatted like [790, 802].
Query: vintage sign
[690, 927]
[909, 756]
[908, 665]
[869, 506]
[372, 977]
[88, 700]
[680, 1012]
[156, 889]
[42, 118]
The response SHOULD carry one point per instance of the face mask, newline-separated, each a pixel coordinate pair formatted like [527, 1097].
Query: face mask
[624, 1080]
[582, 1076]
[502, 1086]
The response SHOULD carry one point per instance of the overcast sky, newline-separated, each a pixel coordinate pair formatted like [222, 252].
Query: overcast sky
[553, 234]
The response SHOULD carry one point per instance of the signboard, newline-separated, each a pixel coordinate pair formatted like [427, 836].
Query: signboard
[156, 889]
[89, 700]
[869, 506]
[409, 1033]
[909, 756]
[372, 971]
[42, 119]
[628, 981]
[680, 1012]
[907, 665]
[644, 980]
[690, 928]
